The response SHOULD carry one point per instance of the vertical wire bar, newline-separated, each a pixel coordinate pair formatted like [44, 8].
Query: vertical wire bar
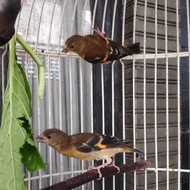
[50, 27]
[178, 96]
[49, 87]
[91, 100]
[134, 121]
[36, 45]
[29, 181]
[123, 116]
[102, 73]
[39, 144]
[91, 74]
[94, 13]
[62, 20]
[73, 17]
[188, 30]
[102, 85]
[70, 82]
[103, 111]
[113, 124]
[39, 25]
[123, 22]
[30, 16]
[123, 88]
[104, 15]
[71, 105]
[144, 89]
[167, 125]
[167, 98]
[60, 111]
[50, 115]
[155, 93]
[81, 107]
[18, 17]
[83, 16]
[134, 92]
[113, 106]
[113, 20]
[81, 84]
[61, 86]
[179, 122]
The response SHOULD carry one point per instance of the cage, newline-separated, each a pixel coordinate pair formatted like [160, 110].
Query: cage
[143, 98]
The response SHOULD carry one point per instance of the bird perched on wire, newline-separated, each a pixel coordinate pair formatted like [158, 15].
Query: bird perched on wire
[86, 146]
[99, 49]
[9, 10]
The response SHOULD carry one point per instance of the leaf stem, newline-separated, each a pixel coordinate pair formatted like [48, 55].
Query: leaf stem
[41, 72]
[12, 60]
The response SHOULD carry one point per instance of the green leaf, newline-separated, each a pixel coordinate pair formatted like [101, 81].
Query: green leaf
[16, 138]
[30, 155]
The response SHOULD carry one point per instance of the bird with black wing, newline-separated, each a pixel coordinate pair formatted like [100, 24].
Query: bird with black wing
[86, 146]
[99, 49]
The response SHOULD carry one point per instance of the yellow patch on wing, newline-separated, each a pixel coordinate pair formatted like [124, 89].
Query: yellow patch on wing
[100, 145]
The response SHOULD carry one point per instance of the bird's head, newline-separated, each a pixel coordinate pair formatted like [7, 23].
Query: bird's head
[73, 44]
[53, 137]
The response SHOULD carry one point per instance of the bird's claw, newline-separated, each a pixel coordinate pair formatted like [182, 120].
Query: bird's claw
[101, 34]
[118, 169]
[98, 170]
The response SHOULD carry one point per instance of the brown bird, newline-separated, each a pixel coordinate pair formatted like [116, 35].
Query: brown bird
[9, 10]
[86, 146]
[98, 49]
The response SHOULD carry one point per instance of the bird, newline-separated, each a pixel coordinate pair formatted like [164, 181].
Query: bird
[9, 10]
[99, 49]
[86, 146]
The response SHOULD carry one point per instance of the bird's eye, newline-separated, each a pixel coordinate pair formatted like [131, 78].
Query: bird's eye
[74, 44]
[49, 137]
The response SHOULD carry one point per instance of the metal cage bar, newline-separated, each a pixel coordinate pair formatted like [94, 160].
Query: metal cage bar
[70, 101]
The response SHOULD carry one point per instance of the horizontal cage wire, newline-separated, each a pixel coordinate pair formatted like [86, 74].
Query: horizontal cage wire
[143, 98]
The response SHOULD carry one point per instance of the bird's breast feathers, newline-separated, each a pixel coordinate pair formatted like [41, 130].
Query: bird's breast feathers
[95, 154]
[104, 153]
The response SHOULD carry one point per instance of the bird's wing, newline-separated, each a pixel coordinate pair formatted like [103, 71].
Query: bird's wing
[117, 51]
[111, 142]
[99, 142]
[96, 146]
[85, 142]
[96, 49]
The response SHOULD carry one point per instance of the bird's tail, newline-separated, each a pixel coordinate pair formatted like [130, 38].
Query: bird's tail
[133, 48]
[128, 149]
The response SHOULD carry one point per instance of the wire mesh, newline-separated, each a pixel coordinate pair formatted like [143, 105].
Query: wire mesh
[151, 96]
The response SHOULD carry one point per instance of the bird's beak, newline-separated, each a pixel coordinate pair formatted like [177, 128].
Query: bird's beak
[65, 49]
[41, 138]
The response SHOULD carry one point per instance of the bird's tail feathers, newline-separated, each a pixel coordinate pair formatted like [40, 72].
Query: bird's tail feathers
[138, 152]
[128, 149]
[134, 48]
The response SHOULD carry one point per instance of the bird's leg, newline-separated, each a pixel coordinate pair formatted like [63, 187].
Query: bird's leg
[113, 164]
[99, 32]
[138, 157]
[108, 162]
